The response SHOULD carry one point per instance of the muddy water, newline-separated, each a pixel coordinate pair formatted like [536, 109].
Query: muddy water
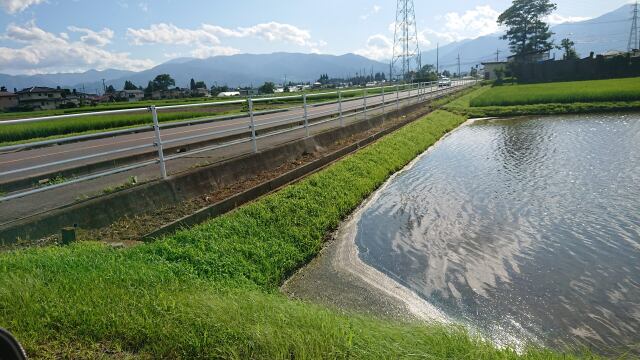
[527, 230]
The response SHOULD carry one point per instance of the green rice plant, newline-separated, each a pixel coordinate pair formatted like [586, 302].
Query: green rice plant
[212, 291]
[612, 90]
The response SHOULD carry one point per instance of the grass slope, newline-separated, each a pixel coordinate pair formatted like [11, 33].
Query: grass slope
[612, 90]
[211, 291]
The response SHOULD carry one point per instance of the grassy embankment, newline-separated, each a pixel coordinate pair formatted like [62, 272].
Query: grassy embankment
[36, 131]
[212, 291]
[551, 98]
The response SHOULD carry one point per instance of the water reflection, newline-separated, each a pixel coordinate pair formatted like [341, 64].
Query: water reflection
[527, 229]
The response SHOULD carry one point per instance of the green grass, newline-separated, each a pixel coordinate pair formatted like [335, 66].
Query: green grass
[613, 90]
[212, 291]
[463, 106]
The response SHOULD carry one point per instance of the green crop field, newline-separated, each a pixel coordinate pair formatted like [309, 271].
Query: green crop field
[212, 291]
[613, 90]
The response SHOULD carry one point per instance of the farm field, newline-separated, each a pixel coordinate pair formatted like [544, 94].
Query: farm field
[612, 90]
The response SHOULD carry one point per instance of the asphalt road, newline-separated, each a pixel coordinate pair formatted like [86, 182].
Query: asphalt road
[47, 155]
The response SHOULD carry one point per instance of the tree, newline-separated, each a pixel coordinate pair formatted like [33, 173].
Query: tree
[526, 30]
[128, 85]
[569, 49]
[149, 90]
[162, 82]
[110, 90]
[200, 85]
[446, 73]
[267, 88]
[192, 85]
[3, 89]
[473, 72]
[215, 90]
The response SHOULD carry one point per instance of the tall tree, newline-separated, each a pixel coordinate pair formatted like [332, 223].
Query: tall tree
[128, 85]
[267, 88]
[162, 82]
[526, 30]
[192, 85]
[569, 49]
[110, 90]
[149, 90]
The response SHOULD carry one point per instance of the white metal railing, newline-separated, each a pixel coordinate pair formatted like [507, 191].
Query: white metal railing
[302, 118]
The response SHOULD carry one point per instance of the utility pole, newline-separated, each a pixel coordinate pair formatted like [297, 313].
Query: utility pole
[634, 40]
[498, 55]
[104, 87]
[459, 66]
[406, 48]
[438, 59]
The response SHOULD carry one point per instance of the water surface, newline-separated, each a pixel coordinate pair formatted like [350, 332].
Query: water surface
[527, 229]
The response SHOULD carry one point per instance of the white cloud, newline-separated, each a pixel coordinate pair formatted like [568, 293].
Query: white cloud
[379, 47]
[15, 6]
[374, 10]
[206, 52]
[480, 21]
[46, 52]
[90, 37]
[210, 35]
[170, 34]
[555, 19]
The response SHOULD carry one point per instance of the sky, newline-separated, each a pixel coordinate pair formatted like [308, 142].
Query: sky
[47, 36]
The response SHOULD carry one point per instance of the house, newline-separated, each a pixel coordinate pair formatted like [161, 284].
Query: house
[130, 95]
[491, 67]
[8, 100]
[39, 98]
[201, 92]
[249, 92]
[531, 57]
[228, 94]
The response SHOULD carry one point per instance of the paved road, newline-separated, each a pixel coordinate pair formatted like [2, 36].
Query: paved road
[34, 157]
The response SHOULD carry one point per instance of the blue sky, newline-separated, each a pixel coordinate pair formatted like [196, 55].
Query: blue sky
[40, 36]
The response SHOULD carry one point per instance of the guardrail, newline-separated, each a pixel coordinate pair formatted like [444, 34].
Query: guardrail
[385, 96]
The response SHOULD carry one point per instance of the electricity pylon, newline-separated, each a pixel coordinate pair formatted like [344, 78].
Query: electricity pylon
[634, 41]
[406, 47]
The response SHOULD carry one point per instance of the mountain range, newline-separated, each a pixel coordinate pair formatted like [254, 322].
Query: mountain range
[602, 34]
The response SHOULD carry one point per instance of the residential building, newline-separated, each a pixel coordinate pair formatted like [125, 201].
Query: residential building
[491, 67]
[249, 92]
[39, 98]
[202, 92]
[8, 100]
[130, 95]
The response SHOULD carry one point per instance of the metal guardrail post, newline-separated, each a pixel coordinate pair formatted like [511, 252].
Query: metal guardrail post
[340, 109]
[306, 117]
[254, 141]
[397, 98]
[158, 142]
[365, 103]
[383, 109]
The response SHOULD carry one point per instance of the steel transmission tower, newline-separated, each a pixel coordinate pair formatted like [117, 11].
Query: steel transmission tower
[406, 50]
[634, 41]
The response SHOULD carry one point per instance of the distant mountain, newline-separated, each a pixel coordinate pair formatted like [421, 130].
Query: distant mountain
[605, 33]
[249, 69]
[235, 70]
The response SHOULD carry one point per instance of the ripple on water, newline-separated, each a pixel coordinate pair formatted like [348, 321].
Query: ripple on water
[527, 229]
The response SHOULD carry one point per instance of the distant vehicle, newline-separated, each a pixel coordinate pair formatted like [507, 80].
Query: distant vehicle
[444, 82]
